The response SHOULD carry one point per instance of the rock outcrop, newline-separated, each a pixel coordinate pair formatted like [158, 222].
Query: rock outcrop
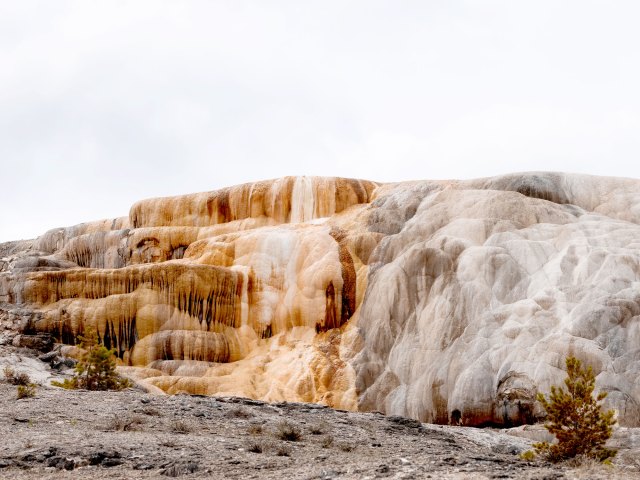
[445, 301]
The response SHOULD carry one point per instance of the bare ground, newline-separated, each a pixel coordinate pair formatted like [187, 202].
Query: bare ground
[62, 434]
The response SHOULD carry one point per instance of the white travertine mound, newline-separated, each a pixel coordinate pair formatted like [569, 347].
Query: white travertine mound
[474, 303]
[446, 301]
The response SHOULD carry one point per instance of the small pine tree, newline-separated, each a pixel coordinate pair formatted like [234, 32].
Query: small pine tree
[575, 417]
[96, 369]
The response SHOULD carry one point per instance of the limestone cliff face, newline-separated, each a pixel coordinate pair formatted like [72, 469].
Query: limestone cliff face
[447, 301]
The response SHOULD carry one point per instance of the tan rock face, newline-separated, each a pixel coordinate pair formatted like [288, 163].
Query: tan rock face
[445, 301]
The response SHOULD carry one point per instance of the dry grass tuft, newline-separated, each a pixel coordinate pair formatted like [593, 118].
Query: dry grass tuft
[126, 423]
[254, 447]
[288, 431]
[583, 467]
[327, 441]
[8, 373]
[180, 426]
[26, 391]
[255, 429]
[240, 412]
[283, 450]
[16, 378]
[347, 447]
[319, 428]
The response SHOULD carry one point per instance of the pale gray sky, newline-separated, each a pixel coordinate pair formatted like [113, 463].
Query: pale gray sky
[105, 103]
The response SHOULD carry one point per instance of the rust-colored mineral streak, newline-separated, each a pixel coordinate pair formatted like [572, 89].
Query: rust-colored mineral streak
[446, 301]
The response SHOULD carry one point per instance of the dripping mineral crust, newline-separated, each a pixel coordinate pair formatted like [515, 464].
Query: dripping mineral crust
[445, 301]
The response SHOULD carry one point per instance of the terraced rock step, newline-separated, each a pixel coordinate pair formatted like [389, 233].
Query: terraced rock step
[450, 302]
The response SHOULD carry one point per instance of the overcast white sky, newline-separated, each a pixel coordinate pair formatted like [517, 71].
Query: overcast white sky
[105, 103]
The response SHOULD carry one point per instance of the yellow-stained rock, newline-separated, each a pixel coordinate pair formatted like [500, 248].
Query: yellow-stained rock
[447, 301]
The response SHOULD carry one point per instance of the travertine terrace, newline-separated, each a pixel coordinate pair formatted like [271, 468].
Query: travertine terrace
[445, 301]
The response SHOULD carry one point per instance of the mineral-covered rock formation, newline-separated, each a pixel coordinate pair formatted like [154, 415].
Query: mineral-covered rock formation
[446, 301]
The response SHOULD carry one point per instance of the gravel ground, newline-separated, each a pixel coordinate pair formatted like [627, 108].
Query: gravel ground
[131, 434]
[62, 434]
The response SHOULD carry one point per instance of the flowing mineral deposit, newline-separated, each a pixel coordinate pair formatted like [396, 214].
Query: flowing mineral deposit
[451, 302]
